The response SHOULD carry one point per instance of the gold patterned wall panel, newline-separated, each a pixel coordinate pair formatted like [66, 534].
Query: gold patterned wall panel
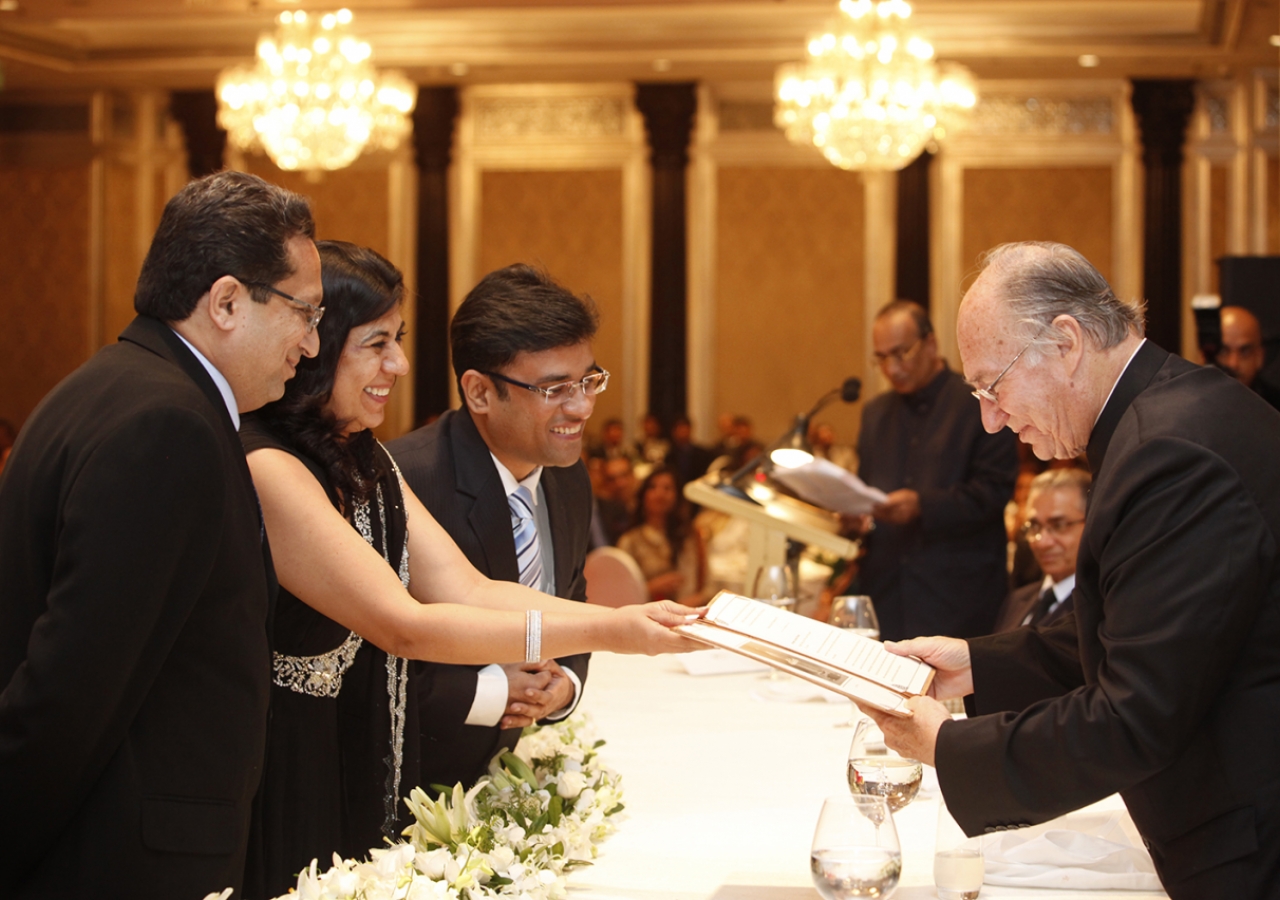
[789, 294]
[44, 249]
[1218, 222]
[120, 253]
[348, 205]
[1069, 205]
[570, 224]
[1273, 206]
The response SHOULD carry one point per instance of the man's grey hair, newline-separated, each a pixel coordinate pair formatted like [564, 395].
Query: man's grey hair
[1055, 479]
[1040, 281]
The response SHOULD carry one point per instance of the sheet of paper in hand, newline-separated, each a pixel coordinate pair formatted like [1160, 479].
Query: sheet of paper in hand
[858, 667]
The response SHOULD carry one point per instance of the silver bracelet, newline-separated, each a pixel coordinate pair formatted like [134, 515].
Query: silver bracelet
[533, 635]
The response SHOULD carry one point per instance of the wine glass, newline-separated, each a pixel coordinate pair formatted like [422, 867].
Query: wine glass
[894, 778]
[855, 850]
[856, 614]
[775, 585]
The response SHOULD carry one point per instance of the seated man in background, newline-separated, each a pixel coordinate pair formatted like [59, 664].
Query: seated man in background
[1242, 355]
[1056, 505]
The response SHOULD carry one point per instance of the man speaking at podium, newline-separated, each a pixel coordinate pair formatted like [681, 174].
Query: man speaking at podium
[935, 561]
[1164, 683]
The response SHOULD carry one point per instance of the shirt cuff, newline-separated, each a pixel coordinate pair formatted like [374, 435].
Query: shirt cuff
[491, 696]
[573, 704]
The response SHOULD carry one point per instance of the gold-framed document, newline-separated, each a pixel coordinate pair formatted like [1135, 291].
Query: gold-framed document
[837, 659]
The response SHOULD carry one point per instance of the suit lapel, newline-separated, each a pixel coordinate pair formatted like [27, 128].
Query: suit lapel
[558, 517]
[488, 514]
[1142, 369]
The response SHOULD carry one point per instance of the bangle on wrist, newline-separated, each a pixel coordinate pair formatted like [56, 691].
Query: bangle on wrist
[533, 635]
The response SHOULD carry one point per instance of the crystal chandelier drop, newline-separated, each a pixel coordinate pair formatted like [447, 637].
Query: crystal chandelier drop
[314, 101]
[870, 96]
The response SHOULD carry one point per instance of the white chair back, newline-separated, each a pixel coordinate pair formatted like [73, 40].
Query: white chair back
[614, 578]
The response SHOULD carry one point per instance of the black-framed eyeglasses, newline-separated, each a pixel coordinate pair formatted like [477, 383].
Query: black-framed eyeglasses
[1056, 527]
[314, 313]
[988, 393]
[899, 354]
[593, 384]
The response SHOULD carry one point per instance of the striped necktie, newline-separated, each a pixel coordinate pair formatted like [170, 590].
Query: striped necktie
[525, 530]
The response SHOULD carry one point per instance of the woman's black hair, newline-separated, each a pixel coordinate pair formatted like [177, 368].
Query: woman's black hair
[676, 525]
[360, 286]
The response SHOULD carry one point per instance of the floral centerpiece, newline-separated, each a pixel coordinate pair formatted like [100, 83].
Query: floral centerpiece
[540, 813]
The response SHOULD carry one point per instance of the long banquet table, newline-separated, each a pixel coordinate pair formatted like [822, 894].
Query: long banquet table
[723, 782]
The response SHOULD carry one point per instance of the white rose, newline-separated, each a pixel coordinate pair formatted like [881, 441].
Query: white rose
[570, 784]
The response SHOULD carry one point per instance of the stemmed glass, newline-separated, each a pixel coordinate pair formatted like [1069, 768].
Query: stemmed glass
[894, 778]
[775, 585]
[855, 851]
[857, 614]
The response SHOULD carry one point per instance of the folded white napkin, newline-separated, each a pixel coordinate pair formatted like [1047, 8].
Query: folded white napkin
[1093, 848]
[719, 662]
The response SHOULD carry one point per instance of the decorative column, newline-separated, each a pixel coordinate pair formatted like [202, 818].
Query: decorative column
[913, 231]
[197, 113]
[1162, 109]
[433, 121]
[668, 120]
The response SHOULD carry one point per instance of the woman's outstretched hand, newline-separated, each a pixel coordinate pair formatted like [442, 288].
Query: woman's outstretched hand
[646, 628]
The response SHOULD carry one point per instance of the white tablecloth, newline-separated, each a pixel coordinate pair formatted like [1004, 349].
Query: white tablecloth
[723, 786]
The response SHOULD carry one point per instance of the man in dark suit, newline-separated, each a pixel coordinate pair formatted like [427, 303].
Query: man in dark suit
[935, 561]
[1056, 505]
[135, 581]
[1164, 683]
[522, 352]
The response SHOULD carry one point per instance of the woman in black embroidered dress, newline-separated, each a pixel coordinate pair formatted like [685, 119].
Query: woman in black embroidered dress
[362, 566]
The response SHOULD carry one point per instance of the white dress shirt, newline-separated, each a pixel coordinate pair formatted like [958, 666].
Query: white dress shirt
[492, 687]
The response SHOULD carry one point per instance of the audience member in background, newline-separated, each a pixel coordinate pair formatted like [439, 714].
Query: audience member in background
[652, 447]
[745, 445]
[727, 443]
[1023, 568]
[685, 458]
[616, 499]
[935, 562]
[664, 543]
[611, 444]
[1055, 508]
[822, 437]
[8, 434]
[1242, 355]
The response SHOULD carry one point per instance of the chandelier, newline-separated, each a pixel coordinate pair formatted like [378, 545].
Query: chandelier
[870, 96]
[314, 101]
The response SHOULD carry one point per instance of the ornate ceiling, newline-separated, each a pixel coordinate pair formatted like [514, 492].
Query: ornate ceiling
[80, 44]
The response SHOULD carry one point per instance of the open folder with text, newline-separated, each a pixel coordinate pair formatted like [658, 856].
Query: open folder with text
[848, 663]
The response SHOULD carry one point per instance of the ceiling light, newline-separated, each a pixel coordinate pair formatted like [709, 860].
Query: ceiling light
[1089, 60]
[870, 96]
[314, 100]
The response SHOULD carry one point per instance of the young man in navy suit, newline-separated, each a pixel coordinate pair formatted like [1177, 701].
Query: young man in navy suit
[527, 374]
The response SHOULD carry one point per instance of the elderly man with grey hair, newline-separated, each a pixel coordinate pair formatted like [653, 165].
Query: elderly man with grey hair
[1164, 683]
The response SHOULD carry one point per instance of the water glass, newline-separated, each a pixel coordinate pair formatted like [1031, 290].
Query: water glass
[857, 614]
[957, 860]
[855, 851]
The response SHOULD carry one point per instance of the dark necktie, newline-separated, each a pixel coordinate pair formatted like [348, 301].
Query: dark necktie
[1042, 607]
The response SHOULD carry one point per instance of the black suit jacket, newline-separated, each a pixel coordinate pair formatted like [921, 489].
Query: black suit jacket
[1016, 606]
[943, 573]
[134, 656]
[448, 465]
[1164, 684]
